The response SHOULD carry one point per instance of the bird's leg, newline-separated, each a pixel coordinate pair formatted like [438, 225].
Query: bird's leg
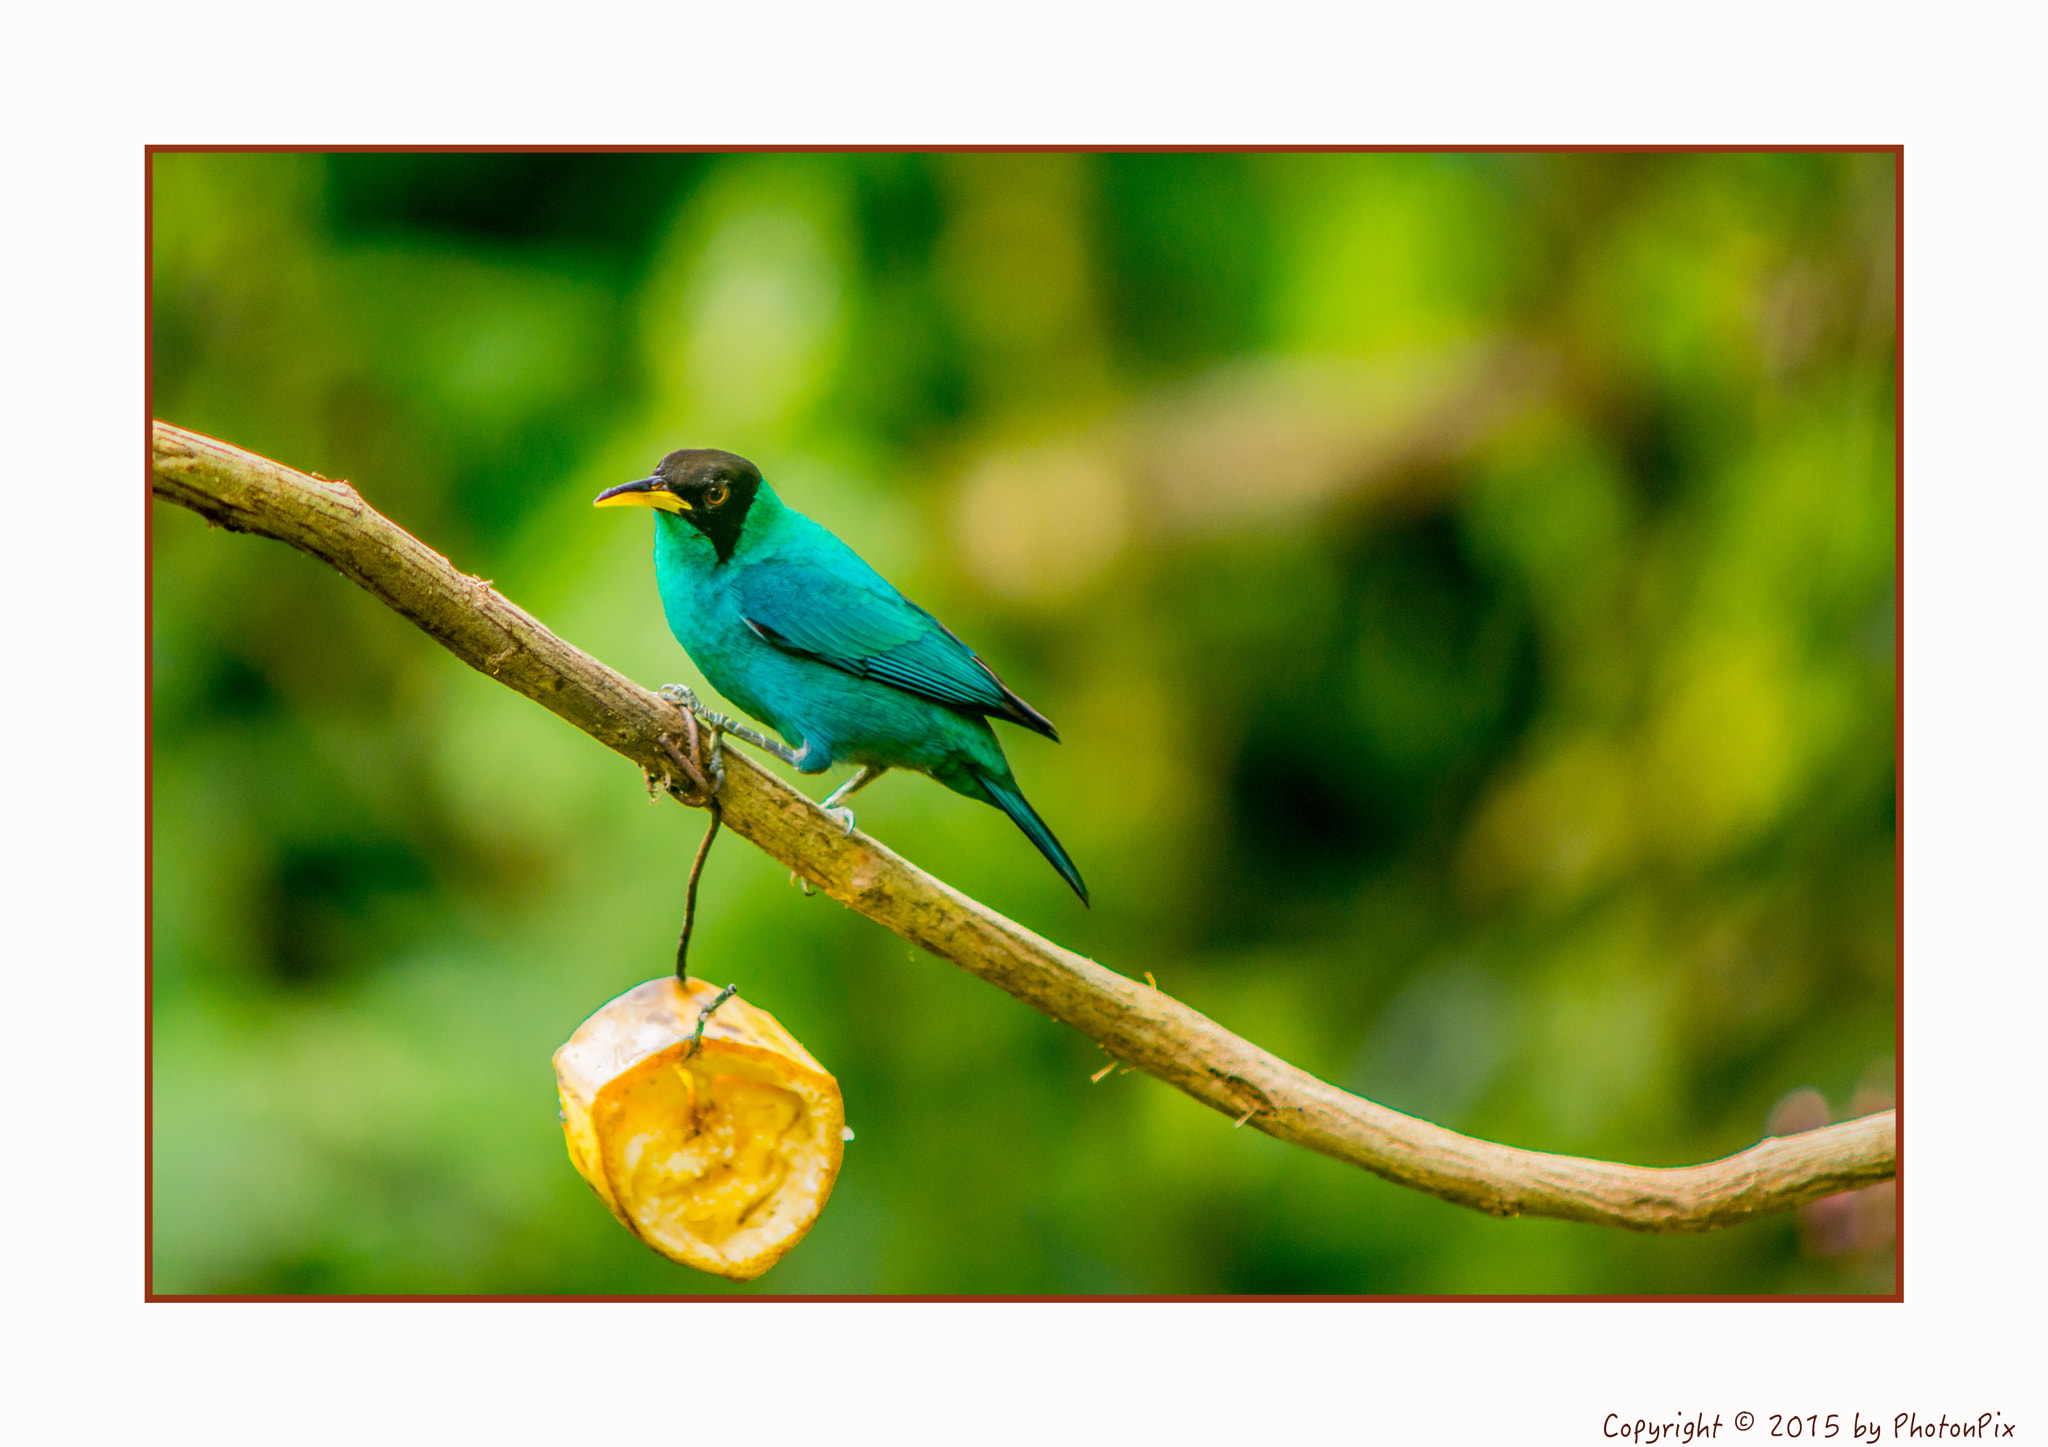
[866, 775]
[719, 723]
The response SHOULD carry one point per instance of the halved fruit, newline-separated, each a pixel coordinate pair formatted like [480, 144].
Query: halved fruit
[720, 1159]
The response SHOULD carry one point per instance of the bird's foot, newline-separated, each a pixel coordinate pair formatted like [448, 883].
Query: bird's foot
[684, 697]
[867, 775]
[704, 764]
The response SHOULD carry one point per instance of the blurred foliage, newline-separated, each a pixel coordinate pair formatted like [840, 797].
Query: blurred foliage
[1464, 585]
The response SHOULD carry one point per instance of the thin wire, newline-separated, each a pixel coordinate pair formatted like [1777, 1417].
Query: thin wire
[690, 894]
[704, 1018]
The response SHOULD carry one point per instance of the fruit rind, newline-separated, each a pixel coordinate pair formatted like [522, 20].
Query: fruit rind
[656, 1130]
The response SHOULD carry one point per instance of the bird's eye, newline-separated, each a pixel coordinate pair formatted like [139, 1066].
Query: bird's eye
[716, 496]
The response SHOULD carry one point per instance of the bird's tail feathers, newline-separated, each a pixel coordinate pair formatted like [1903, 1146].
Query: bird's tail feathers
[1004, 794]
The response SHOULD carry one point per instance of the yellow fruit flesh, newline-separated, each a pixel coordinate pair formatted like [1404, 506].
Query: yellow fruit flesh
[718, 1155]
[698, 1152]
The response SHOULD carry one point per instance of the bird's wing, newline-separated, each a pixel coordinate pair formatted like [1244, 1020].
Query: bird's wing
[855, 622]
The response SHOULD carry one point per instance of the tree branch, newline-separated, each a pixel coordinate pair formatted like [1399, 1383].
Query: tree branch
[1139, 1025]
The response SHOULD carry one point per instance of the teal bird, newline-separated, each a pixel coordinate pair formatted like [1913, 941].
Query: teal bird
[788, 622]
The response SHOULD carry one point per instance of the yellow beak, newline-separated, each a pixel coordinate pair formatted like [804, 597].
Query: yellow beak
[647, 492]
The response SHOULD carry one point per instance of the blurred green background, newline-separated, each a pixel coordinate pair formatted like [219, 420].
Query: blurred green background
[1463, 583]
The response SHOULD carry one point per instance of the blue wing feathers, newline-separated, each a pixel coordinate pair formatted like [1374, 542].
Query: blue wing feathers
[854, 621]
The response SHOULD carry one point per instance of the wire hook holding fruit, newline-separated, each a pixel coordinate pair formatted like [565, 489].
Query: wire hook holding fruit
[690, 895]
[704, 1018]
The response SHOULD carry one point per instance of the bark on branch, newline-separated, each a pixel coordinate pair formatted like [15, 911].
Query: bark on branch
[1137, 1024]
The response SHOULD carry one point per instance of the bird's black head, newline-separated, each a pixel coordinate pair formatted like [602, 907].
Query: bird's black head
[709, 489]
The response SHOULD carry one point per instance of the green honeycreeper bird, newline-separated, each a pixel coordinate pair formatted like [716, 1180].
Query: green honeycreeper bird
[787, 621]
